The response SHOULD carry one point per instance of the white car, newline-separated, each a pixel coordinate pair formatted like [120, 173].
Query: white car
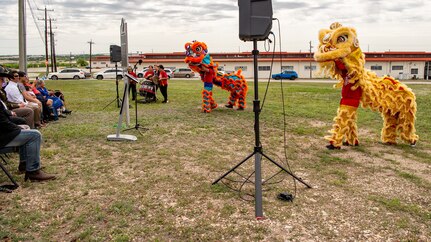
[108, 74]
[68, 73]
[141, 74]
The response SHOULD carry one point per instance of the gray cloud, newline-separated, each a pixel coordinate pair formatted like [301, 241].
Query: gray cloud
[178, 20]
[279, 5]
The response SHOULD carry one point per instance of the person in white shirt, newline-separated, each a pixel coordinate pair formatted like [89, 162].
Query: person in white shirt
[17, 109]
[14, 95]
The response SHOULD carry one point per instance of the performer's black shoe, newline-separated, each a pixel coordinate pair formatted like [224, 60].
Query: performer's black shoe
[229, 105]
[332, 147]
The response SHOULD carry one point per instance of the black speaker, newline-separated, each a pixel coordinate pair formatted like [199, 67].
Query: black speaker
[115, 53]
[255, 19]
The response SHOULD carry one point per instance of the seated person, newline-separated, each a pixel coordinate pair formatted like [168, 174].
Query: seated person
[13, 117]
[28, 142]
[57, 93]
[26, 92]
[56, 103]
[34, 93]
[15, 110]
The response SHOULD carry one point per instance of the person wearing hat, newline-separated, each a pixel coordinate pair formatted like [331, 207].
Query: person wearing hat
[163, 83]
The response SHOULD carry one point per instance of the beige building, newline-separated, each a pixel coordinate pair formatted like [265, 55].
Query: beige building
[401, 65]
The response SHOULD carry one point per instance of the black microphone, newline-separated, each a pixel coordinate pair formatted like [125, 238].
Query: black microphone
[138, 62]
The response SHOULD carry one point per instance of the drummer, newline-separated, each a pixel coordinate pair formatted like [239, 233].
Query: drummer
[151, 76]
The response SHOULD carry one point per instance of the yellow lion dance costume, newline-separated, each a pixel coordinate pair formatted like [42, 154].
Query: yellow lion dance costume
[339, 56]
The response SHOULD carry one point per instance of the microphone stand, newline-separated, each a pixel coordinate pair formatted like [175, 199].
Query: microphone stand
[137, 125]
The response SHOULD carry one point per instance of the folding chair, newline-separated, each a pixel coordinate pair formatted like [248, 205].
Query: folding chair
[3, 155]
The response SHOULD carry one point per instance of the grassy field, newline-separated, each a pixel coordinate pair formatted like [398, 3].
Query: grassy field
[159, 187]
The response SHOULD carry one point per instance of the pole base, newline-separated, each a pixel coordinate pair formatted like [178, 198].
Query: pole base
[121, 137]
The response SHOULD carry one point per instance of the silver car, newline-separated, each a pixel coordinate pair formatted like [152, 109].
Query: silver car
[68, 73]
[108, 74]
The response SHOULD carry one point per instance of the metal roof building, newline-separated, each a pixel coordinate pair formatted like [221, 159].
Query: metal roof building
[401, 65]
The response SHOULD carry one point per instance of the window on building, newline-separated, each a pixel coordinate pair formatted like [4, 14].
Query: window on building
[397, 68]
[94, 62]
[243, 68]
[376, 68]
[264, 68]
[414, 71]
[287, 68]
[308, 68]
[103, 62]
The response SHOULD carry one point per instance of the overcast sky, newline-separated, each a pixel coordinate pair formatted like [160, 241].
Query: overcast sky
[165, 25]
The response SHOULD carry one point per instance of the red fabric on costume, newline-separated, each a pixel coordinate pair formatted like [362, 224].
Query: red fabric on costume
[209, 76]
[350, 97]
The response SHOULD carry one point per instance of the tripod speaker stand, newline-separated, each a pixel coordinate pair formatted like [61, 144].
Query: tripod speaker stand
[258, 151]
[118, 99]
[137, 125]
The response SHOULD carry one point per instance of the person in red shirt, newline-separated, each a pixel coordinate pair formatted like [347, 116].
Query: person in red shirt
[163, 83]
[149, 74]
[132, 84]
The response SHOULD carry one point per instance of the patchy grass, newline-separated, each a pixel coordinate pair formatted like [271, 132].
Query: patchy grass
[159, 187]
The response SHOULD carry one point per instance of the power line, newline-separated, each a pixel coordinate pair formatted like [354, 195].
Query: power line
[46, 38]
[34, 19]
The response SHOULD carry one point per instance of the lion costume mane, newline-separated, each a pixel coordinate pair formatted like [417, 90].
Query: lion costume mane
[200, 61]
[341, 58]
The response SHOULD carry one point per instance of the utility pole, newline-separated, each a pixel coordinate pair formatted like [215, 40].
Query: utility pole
[46, 39]
[91, 44]
[22, 36]
[311, 59]
[428, 69]
[70, 59]
[53, 53]
[51, 45]
[53, 58]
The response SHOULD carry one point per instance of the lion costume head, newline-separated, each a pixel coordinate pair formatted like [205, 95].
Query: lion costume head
[339, 54]
[197, 55]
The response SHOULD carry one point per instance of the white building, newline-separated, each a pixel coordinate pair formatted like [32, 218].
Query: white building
[401, 65]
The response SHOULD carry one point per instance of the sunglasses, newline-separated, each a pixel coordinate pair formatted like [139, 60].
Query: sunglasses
[15, 76]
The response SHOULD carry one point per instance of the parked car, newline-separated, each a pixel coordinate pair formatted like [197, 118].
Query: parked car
[292, 75]
[108, 74]
[141, 74]
[87, 74]
[68, 73]
[183, 72]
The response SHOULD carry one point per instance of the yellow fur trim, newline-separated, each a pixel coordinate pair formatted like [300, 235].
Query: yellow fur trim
[393, 99]
[344, 127]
